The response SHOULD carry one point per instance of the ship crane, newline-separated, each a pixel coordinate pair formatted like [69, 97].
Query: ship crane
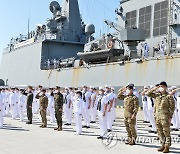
[113, 25]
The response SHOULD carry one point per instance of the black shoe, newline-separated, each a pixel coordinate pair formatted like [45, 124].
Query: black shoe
[91, 122]
[150, 125]
[67, 124]
[145, 122]
[109, 130]
[84, 126]
[178, 135]
[87, 126]
[176, 129]
[28, 122]
[99, 137]
[151, 131]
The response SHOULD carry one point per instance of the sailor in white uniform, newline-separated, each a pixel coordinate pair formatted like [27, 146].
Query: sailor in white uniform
[178, 111]
[21, 104]
[7, 105]
[1, 110]
[12, 101]
[93, 107]
[146, 50]
[150, 102]
[175, 119]
[114, 105]
[67, 106]
[77, 108]
[102, 113]
[3, 101]
[51, 106]
[16, 104]
[162, 48]
[86, 96]
[145, 103]
[110, 97]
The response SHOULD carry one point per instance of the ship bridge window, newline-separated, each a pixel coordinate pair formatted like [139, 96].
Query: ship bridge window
[131, 19]
[160, 18]
[145, 19]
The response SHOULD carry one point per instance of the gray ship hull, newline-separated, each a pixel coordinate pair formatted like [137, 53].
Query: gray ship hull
[22, 67]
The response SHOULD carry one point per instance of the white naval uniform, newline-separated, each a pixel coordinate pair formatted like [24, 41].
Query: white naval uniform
[12, 101]
[93, 108]
[35, 105]
[77, 108]
[146, 51]
[114, 107]
[67, 107]
[1, 111]
[102, 101]
[21, 104]
[3, 102]
[178, 110]
[7, 104]
[85, 113]
[175, 120]
[16, 104]
[109, 97]
[145, 108]
[51, 108]
[151, 113]
[162, 48]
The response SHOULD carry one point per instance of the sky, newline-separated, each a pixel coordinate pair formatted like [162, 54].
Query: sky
[14, 16]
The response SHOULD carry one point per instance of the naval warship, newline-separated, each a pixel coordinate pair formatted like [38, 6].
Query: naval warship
[64, 51]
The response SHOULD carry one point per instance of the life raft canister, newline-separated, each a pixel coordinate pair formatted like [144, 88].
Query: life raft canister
[110, 45]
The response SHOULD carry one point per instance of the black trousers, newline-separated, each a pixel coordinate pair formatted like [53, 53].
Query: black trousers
[29, 114]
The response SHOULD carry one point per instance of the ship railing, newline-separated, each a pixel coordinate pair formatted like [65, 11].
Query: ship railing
[50, 36]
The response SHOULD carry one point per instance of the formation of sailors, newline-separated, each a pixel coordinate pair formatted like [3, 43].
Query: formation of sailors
[83, 105]
[15, 101]
[148, 108]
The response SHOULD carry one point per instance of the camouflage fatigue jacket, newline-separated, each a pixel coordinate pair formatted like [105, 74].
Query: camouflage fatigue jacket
[164, 104]
[131, 104]
[58, 101]
[43, 102]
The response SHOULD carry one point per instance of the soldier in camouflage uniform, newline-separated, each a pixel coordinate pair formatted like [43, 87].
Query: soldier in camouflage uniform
[43, 103]
[58, 102]
[29, 101]
[130, 111]
[163, 112]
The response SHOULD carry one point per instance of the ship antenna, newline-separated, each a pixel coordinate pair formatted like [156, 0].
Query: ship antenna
[28, 24]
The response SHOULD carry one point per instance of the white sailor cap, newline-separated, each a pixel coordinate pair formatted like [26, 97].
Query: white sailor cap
[101, 88]
[112, 88]
[151, 86]
[146, 87]
[106, 86]
[91, 87]
[173, 87]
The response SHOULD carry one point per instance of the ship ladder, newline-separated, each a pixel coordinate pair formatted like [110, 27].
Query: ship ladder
[49, 74]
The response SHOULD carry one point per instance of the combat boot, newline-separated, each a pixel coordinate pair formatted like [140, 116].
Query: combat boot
[56, 128]
[166, 149]
[128, 141]
[161, 148]
[59, 128]
[132, 142]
